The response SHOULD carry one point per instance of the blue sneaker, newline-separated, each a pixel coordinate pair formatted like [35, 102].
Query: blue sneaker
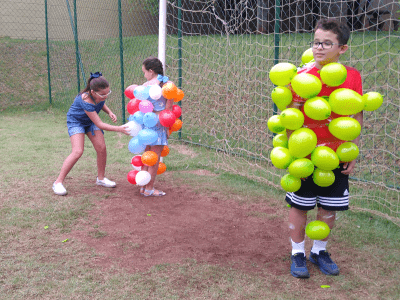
[299, 268]
[324, 262]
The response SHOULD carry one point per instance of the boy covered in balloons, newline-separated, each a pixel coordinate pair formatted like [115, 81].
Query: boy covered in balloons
[326, 102]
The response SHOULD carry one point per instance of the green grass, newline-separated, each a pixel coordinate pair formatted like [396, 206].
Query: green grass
[39, 263]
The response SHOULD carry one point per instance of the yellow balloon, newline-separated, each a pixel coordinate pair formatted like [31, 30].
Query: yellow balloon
[306, 85]
[282, 73]
[333, 74]
[372, 101]
[344, 128]
[280, 157]
[323, 178]
[347, 151]
[290, 183]
[317, 230]
[346, 102]
[325, 158]
[301, 168]
[307, 56]
[292, 118]
[281, 96]
[280, 140]
[302, 142]
[275, 125]
[317, 108]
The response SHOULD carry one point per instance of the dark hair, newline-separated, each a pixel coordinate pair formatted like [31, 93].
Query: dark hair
[341, 30]
[154, 64]
[96, 84]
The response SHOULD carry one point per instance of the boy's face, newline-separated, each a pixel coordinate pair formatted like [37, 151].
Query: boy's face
[329, 51]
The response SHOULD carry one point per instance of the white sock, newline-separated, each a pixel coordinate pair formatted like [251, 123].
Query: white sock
[298, 248]
[318, 246]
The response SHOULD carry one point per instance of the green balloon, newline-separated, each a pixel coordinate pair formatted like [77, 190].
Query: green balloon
[317, 108]
[281, 96]
[282, 73]
[317, 230]
[280, 140]
[290, 183]
[302, 142]
[346, 102]
[306, 85]
[325, 158]
[347, 151]
[292, 118]
[372, 101]
[344, 128]
[280, 157]
[333, 74]
[307, 56]
[323, 178]
[275, 125]
[301, 168]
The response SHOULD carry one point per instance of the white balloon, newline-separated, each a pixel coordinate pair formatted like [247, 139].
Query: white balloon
[142, 178]
[133, 128]
[155, 92]
[136, 168]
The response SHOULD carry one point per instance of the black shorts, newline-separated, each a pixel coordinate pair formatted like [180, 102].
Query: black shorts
[333, 198]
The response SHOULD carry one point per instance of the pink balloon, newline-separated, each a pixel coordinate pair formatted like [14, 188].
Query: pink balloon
[146, 106]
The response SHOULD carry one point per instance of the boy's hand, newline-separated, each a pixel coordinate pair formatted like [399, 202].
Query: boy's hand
[349, 167]
[113, 117]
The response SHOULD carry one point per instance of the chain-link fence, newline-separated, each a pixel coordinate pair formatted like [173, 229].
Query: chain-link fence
[221, 52]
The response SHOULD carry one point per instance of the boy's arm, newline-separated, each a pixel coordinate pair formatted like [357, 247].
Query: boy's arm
[349, 166]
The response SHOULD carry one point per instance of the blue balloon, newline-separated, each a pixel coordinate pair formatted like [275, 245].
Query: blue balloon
[150, 119]
[138, 117]
[131, 118]
[141, 92]
[147, 136]
[135, 146]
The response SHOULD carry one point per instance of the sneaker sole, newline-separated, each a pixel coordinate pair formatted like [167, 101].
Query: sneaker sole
[300, 276]
[322, 270]
[107, 186]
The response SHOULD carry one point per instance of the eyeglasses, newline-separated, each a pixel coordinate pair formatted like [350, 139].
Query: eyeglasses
[325, 45]
[102, 96]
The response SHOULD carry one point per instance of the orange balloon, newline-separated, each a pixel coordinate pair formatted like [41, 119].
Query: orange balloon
[179, 95]
[161, 168]
[177, 125]
[165, 151]
[169, 90]
[170, 131]
[149, 158]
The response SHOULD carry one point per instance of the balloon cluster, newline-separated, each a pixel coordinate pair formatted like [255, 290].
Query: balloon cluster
[142, 121]
[299, 153]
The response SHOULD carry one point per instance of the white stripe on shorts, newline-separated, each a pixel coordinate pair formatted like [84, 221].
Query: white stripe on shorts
[342, 201]
[301, 200]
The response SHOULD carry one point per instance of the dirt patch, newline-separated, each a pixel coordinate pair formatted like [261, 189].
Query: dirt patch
[183, 149]
[136, 232]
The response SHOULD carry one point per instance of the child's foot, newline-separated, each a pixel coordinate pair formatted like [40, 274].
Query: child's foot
[153, 192]
[141, 190]
[106, 183]
[59, 189]
[299, 268]
[324, 262]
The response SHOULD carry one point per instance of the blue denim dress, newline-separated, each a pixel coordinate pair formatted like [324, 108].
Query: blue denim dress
[77, 119]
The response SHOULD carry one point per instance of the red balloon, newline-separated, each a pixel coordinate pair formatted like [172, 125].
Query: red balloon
[176, 109]
[131, 176]
[137, 161]
[133, 106]
[167, 118]
[129, 91]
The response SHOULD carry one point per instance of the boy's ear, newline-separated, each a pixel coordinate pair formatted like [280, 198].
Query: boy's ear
[343, 49]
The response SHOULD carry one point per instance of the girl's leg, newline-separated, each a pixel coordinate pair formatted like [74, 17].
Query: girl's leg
[77, 142]
[153, 169]
[100, 146]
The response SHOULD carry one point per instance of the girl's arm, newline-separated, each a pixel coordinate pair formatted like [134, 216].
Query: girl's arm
[104, 126]
[110, 113]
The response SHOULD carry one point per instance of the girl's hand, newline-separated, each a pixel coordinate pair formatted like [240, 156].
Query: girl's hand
[124, 129]
[113, 117]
